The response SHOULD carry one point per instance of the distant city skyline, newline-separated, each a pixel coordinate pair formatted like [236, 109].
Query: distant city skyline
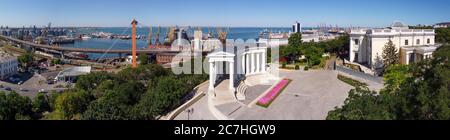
[225, 13]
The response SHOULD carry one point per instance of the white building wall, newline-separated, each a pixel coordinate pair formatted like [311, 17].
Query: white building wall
[372, 42]
[377, 51]
[8, 68]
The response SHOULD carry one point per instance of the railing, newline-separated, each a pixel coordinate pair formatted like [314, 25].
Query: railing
[406, 30]
[359, 74]
[402, 31]
[377, 30]
[189, 102]
[358, 31]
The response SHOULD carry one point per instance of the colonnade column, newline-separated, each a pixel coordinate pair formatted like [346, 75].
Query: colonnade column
[263, 64]
[252, 69]
[247, 64]
[243, 64]
[211, 76]
[231, 76]
[217, 70]
[258, 63]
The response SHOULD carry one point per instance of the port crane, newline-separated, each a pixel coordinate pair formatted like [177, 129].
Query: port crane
[150, 38]
[157, 42]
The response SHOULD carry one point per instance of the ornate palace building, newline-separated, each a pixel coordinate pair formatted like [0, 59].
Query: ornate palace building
[366, 45]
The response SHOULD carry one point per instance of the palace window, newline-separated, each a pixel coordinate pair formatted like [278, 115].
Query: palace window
[418, 41]
[406, 42]
[428, 41]
[356, 41]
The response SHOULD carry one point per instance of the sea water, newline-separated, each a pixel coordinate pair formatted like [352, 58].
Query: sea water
[244, 33]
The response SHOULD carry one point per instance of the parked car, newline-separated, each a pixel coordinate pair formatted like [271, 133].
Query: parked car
[51, 80]
[20, 83]
[42, 91]
[8, 89]
[22, 89]
[13, 79]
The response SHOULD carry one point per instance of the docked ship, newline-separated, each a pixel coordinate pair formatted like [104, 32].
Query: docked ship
[78, 55]
[62, 40]
[86, 37]
[273, 39]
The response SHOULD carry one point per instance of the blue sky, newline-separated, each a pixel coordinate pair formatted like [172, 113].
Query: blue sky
[259, 13]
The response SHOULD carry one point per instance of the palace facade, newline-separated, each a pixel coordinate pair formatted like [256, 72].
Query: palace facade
[414, 45]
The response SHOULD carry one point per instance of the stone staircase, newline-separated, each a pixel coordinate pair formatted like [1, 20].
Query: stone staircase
[240, 95]
[263, 79]
[223, 94]
[252, 81]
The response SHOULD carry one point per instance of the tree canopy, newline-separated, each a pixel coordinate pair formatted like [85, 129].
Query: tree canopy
[14, 107]
[144, 93]
[419, 91]
[26, 60]
[313, 51]
[443, 35]
[143, 59]
[390, 55]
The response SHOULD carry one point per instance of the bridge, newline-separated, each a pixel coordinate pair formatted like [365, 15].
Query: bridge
[90, 50]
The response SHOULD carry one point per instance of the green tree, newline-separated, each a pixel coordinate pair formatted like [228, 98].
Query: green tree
[56, 61]
[106, 109]
[443, 35]
[313, 54]
[394, 77]
[362, 104]
[130, 92]
[418, 92]
[143, 58]
[52, 99]
[292, 50]
[141, 73]
[390, 55]
[26, 60]
[41, 103]
[426, 94]
[71, 104]
[14, 107]
[103, 88]
[290, 53]
[295, 40]
[90, 81]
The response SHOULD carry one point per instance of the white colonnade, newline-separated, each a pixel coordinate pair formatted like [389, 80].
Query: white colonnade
[254, 61]
[215, 68]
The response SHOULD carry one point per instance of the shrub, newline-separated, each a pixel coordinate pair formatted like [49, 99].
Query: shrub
[283, 65]
[351, 81]
[297, 67]
[306, 68]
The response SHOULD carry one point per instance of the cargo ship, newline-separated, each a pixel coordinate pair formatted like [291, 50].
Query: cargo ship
[78, 55]
[62, 40]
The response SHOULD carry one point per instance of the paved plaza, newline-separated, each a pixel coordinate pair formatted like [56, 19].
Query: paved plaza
[309, 96]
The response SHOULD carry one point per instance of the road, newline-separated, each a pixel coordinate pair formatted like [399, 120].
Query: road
[32, 86]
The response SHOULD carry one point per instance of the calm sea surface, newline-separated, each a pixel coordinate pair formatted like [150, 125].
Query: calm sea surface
[233, 33]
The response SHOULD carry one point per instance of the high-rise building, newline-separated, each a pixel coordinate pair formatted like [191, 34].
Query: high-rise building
[297, 27]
